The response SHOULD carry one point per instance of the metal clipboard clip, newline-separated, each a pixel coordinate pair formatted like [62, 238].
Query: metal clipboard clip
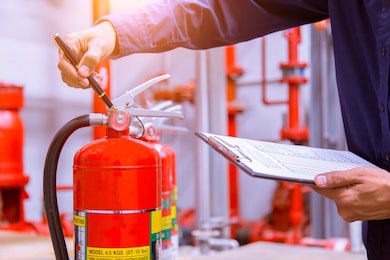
[233, 152]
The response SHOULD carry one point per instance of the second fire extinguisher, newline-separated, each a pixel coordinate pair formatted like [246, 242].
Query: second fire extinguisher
[153, 129]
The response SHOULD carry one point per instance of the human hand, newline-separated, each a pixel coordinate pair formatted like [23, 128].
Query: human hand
[91, 46]
[360, 193]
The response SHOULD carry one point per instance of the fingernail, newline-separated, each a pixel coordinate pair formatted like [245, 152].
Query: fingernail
[321, 181]
[84, 71]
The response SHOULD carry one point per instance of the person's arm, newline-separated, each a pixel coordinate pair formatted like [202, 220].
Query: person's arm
[195, 24]
[201, 24]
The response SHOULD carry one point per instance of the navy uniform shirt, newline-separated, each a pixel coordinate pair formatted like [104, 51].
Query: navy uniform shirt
[361, 35]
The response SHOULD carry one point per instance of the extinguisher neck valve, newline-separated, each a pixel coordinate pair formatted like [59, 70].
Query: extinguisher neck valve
[112, 133]
[97, 119]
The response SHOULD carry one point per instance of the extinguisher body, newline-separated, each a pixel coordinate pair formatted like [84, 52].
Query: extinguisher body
[174, 229]
[117, 199]
[12, 178]
[166, 166]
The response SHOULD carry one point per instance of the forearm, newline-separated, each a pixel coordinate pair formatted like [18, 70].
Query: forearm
[200, 24]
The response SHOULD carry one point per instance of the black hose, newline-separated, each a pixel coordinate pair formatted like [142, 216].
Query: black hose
[49, 184]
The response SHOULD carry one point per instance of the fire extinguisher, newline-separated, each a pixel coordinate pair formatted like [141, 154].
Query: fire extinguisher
[116, 185]
[153, 129]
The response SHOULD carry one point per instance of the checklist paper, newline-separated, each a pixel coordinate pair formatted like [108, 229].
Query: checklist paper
[294, 163]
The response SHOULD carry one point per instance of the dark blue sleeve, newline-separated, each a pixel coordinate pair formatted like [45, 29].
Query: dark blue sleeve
[200, 24]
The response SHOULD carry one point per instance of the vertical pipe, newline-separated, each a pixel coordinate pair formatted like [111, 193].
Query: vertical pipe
[293, 41]
[293, 96]
[202, 188]
[101, 8]
[232, 129]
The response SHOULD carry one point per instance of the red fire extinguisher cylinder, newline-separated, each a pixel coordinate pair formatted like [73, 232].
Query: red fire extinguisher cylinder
[117, 199]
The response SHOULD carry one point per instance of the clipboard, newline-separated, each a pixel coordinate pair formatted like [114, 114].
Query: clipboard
[282, 162]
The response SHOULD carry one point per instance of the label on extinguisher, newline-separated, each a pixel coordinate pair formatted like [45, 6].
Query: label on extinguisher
[166, 220]
[133, 253]
[79, 221]
[173, 216]
[175, 227]
[107, 235]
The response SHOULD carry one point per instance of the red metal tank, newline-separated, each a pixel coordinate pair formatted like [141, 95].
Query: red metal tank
[175, 228]
[12, 178]
[117, 199]
[152, 136]
[166, 169]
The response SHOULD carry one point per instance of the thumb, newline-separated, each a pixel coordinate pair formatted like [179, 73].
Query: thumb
[89, 61]
[335, 179]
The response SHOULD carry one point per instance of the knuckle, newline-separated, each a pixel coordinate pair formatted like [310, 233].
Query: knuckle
[354, 202]
[343, 214]
[61, 65]
[335, 178]
[361, 173]
[70, 38]
[349, 219]
[64, 78]
[92, 57]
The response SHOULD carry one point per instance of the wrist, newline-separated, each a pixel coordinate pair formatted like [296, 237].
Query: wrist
[107, 32]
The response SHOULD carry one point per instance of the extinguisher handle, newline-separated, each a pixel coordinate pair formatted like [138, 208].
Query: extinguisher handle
[153, 113]
[162, 105]
[158, 123]
[127, 100]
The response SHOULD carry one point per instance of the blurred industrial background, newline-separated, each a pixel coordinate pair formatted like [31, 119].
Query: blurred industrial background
[239, 207]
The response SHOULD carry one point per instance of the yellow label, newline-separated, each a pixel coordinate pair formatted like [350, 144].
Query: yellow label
[173, 211]
[166, 222]
[156, 221]
[79, 221]
[175, 192]
[133, 253]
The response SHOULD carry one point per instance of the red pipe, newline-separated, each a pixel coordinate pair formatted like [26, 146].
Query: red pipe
[232, 72]
[291, 75]
[101, 8]
[263, 78]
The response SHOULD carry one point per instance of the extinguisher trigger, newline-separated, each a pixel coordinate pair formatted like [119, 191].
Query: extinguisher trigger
[127, 99]
[154, 113]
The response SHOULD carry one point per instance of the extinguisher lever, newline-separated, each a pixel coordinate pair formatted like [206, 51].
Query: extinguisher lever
[175, 108]
[162, 105]
[127, 99]
[159, 125]
[153, 113]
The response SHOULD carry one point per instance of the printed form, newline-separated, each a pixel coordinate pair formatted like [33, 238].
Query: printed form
[282, 161]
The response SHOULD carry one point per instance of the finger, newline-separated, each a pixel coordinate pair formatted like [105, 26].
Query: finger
[98, 77]
[70, 72]
[324, 192]
[90, 60]
[336, 179]
[335, 194]
[72, 83]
